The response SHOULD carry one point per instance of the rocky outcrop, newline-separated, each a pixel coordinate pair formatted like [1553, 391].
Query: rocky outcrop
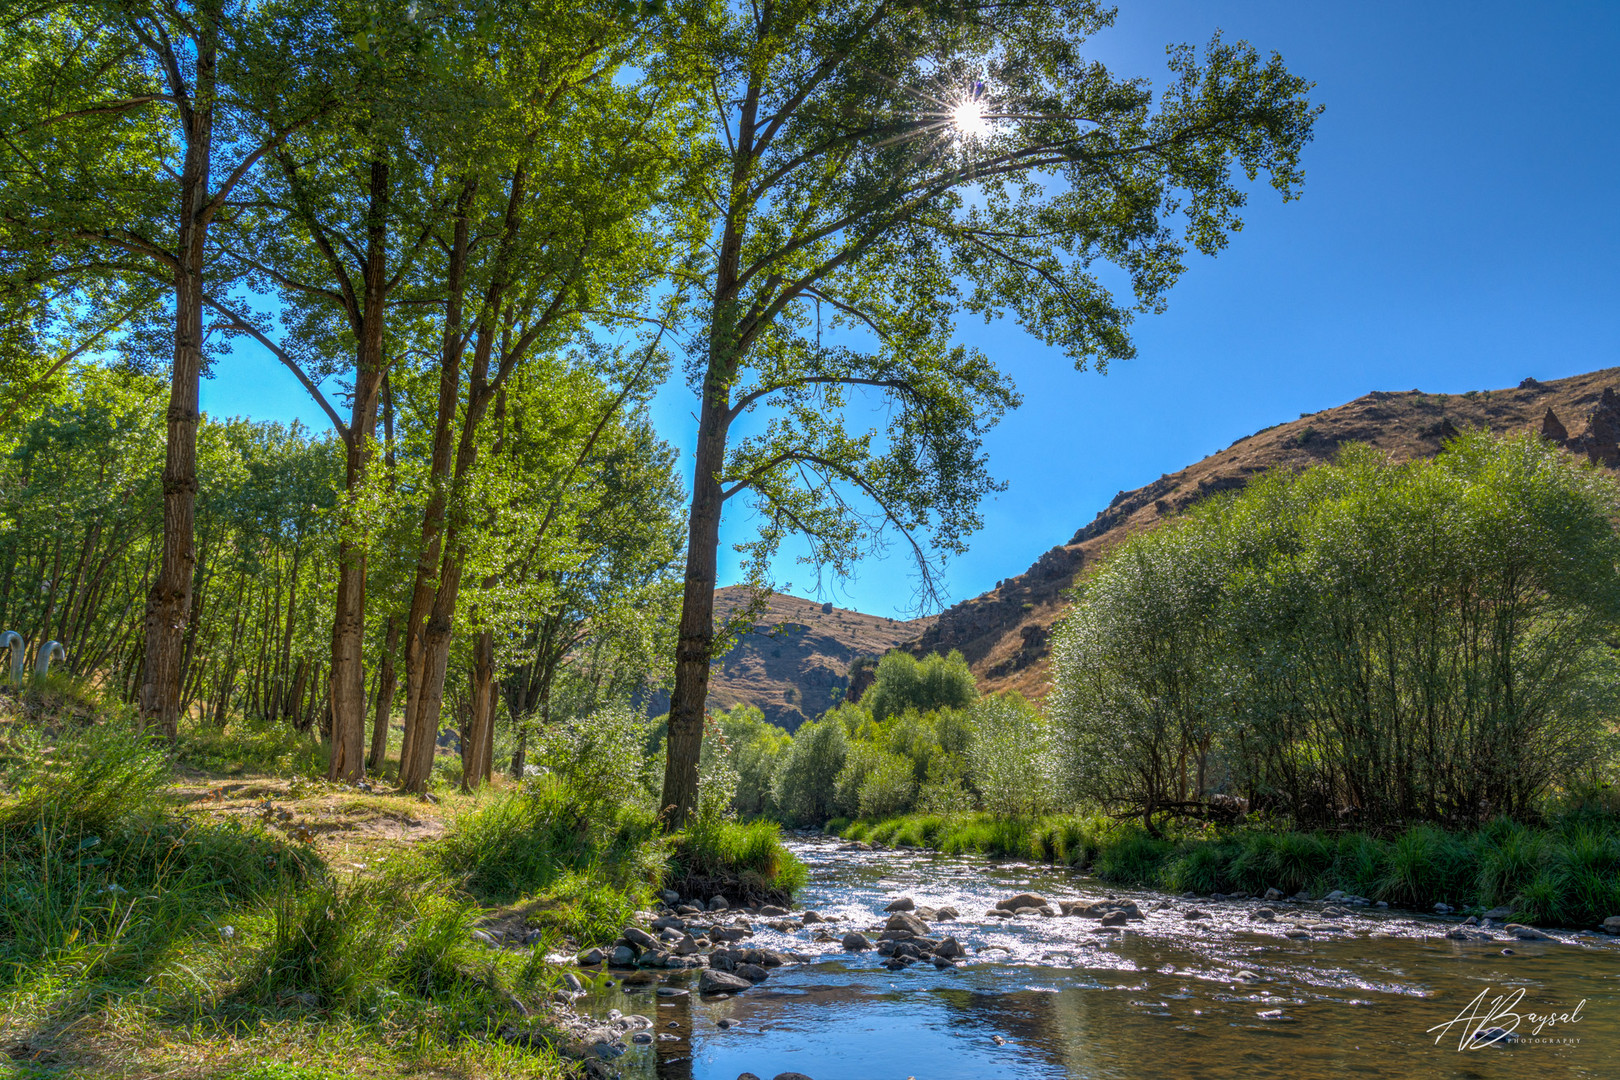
[1005, 633]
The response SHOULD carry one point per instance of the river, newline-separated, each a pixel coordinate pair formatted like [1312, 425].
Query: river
[1065, 998]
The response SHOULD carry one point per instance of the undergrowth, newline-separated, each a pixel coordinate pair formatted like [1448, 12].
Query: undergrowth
[1566, 873]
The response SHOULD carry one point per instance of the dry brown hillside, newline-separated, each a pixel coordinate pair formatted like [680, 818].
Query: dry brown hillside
[1005, 632]
[795, 663]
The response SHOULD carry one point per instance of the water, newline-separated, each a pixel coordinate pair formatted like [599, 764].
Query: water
[1071, 1000]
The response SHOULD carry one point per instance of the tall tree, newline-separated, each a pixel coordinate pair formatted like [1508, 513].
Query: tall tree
[878, 169]
[122, 151]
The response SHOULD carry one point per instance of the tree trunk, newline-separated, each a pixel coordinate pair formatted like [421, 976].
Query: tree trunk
[348, 678]
[479, 754]
[418, 742]
[169, 602]
[695, 643]
[387, 684]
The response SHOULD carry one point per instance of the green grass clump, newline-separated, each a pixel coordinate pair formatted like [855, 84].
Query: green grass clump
[519, 843]
[715, 850]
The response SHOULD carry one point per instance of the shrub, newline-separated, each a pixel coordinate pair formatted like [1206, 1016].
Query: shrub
[935, 682]
[806, 780]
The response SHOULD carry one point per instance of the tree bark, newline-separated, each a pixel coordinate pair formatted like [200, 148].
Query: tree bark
[481, 727]
[168, 604]
[348, 677]
[387, 684]
[695, 641]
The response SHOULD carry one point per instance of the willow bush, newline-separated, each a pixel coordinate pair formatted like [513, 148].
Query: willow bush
[1359, 642]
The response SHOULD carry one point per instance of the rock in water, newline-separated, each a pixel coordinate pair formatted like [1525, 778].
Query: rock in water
[907, 923]
[905, 903]
[857, 942]
[1022, 900]
[1611, 925]
[1527, 933]
[638, 937]
[718, 982]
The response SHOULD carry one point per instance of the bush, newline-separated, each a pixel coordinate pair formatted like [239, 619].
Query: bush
[1298, 640]
[935, 682]
[1010, 757]
[807, 778]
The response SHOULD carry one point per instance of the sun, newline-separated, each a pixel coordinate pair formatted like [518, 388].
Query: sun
[968, 119]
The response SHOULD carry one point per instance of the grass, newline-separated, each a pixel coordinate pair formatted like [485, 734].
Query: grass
[149, 928]
[1566, 873]
[216, 908]
[743, 861]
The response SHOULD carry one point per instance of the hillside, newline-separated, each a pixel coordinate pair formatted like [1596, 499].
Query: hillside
[1005, 633]
[795, 663]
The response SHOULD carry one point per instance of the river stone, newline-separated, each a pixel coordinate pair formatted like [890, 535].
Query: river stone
[1611, 925]
[671, 897]
[771, 911]
[1115, 918]
[905, 903]
[1026, 911]
[1527, 933]
[950, 948]
[669, 922]
[905, 922]
[639, 937]
[1273, 894]
[812, 917]
[752, 972]
[1194, 913]
[622, 956]
[1264, 914]
[719, 982]
[590, 957]
[689, 909]
[943, 962]
[1022, 900]
[946, 914]
[1503, 912]
[857, 942]
[719, 903]
[896, 963]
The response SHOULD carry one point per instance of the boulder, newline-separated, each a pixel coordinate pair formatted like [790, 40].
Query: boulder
[946, 914]
[1527, 933]
[719, 903]
[771, 911]
[905, 903]
[638, 937]
[902, 922]
[1022, 900]
[812, 917]
[1503, 912]
[950, 948]
[622, 956]
[752, 972]
[1194, 913]
[719, 982]
[590, 957]
[1115, 918]
[857, 942]
[1274, 894]
[1611, 925]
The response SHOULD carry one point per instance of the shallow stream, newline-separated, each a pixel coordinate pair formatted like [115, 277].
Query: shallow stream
[1067, 999]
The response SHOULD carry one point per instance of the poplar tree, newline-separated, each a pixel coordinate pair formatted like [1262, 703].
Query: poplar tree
[879, 169]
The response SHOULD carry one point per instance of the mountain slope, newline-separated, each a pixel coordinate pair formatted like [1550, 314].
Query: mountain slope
[1005, 633]
[794, 665]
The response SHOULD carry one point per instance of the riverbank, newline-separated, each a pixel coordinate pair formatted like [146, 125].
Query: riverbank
[1566, 873]
[196, 918]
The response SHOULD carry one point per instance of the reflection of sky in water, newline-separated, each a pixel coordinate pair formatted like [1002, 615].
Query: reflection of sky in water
[1074, 1001]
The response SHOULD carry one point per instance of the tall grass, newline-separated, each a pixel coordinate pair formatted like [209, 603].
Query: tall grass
[1567, 873]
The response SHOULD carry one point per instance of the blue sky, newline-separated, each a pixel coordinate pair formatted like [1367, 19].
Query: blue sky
[1459, 230]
